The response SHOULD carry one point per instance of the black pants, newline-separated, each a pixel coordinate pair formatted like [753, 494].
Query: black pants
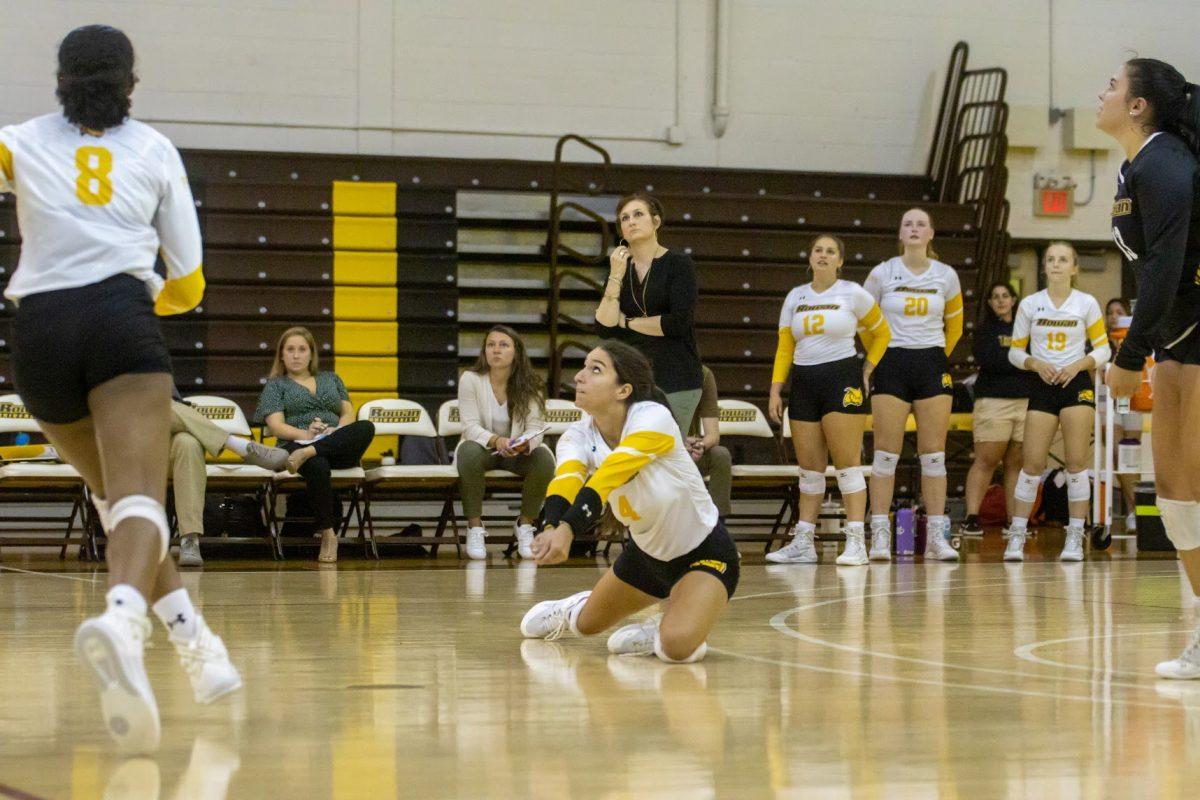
[342, 449]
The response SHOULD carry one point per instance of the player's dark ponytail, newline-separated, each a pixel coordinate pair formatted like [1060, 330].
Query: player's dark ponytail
[633, 368]
[1175, 102]
[95, 77]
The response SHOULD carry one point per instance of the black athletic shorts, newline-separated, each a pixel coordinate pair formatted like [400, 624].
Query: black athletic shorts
[820, 389]
[1185, 351]
[913, 374]
[67, 342]
[716, 555]
[1053, 399]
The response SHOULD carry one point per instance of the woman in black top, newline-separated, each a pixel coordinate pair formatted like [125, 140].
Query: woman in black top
[1154, 115]
[650, 301]
[1001, 399]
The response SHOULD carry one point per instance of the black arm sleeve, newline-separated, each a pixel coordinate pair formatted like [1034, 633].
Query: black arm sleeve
[1163, 195]
[584, 513]
[553, 510]
[682, 293]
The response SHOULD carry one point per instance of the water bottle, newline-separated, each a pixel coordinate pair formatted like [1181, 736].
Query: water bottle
[1129, 456]
[906, 530]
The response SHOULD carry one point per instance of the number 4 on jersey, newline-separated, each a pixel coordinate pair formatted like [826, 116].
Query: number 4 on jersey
[93, 186]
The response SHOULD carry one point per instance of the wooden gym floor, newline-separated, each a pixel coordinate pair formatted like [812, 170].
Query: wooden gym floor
[410, 679]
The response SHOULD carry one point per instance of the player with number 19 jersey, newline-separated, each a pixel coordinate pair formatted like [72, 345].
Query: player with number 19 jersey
[94, 206]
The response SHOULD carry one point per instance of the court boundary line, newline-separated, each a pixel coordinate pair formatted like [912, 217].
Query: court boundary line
[777, 622]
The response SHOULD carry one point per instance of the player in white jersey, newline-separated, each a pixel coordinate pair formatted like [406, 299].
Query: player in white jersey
[628, 454]
[1051, 335]
[97, 196]
[922, 303]
[827, 401]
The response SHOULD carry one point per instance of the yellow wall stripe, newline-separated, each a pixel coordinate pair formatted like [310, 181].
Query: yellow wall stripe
[364, 372]
[369, 199]
[363, 303]
[364, 268]
[364, 338]
[364, 233]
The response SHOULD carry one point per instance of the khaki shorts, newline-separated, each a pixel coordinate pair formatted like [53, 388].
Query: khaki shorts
[999, 419]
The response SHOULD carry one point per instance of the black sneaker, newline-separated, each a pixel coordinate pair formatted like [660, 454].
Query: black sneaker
[970, 527]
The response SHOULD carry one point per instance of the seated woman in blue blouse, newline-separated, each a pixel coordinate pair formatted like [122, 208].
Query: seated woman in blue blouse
[300, 404]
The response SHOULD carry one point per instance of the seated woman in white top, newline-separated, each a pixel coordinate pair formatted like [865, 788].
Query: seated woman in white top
[500, 402]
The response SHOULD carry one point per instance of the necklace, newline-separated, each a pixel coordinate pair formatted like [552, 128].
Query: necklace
[642, 306]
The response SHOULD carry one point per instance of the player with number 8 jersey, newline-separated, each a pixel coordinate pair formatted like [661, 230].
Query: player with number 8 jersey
[98, 197]
[94, 205]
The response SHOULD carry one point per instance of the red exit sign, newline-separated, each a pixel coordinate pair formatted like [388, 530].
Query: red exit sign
[1053, 202]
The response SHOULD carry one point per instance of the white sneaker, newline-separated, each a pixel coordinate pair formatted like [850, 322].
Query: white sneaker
[881, 541]
[476, 546]
[1131, 522]
[207, 664]
[111, 645]
[550, 619]
[799, 551]
[1015, 550]
[189, 551]
[855, 552]
[1073, 548]
[937, 547]
[524, 535]
[636, 639]
[1187, 666]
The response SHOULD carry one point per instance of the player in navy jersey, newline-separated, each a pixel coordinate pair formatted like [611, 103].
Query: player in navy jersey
[1154, 115]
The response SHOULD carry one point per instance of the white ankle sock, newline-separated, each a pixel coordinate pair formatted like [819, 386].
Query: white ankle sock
[805, 527]
[880, 519]
[573, 616]
[1019, 525]
[1075, 522]
[177, 613]
[854, 529]
[237, 444]
[127, 598]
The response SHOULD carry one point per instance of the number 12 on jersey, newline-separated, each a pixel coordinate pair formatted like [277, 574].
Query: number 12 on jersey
[814, 324]
[93, 185]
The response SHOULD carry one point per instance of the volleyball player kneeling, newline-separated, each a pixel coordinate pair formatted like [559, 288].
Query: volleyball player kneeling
[628, 453]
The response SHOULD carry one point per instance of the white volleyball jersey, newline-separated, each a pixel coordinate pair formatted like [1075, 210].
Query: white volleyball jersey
[916, 307]
[90, 207]
[823, 324]
[1058, 335]
[649, 480]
